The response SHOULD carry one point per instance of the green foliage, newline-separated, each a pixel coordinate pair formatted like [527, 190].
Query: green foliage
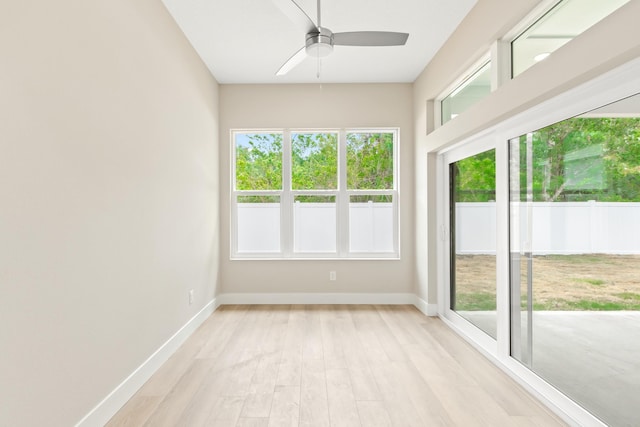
[315, 199]
[382, 198]
[314, 161]
[578, 159]
[259, 199]
[259, 162]
[475, 178]
[583, 159]
[370, 161]
[314, 164]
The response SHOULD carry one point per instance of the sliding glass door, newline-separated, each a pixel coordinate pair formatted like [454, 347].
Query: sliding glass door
[575, 258]
[538, 224]
[472, 243]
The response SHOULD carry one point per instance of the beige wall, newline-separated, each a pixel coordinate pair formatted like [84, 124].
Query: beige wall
[608, 44]
[320, 106]
[108, 199]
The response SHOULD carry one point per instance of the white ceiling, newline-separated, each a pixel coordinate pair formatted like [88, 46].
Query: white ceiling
[246, 41]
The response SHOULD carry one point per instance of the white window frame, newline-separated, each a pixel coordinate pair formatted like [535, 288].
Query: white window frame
[607, 88]
[458, 83]
[475, 145]
[342, 196]
[544, 8]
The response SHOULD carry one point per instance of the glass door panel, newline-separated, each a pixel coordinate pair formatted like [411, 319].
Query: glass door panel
[473, 240]
[575, 258]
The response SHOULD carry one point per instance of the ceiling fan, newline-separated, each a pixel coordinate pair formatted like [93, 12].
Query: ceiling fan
[319, 41]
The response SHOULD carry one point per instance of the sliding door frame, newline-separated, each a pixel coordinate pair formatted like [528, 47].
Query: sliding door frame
[607, 88]
[479, 144]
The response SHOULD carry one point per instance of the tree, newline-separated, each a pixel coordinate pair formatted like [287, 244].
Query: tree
[259, 162]
[618, 148]
[314, 162]
[578, 159]
[475, 177]
[370, 161]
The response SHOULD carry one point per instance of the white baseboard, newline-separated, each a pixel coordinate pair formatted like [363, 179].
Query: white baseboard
[427, 309]
[318, 298]
[111, 404]
[331, 298]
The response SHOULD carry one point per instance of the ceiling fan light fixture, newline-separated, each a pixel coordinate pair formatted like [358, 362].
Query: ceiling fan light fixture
[319, 41]
[319, 44]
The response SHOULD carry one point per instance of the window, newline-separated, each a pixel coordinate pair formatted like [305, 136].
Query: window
[472, 258]
[471, 90]
[315, 194]
[550, 270]
[566, 20]
[575, 254]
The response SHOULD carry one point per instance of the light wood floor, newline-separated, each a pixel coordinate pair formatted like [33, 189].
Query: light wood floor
[318, 365]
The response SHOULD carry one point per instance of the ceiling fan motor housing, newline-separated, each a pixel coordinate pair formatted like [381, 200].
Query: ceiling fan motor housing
[319, 44]
[319, 41]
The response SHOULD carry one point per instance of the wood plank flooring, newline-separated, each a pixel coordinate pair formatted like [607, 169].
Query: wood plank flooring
[321, 365]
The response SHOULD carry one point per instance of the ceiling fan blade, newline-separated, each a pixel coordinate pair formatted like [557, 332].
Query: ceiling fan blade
[295, 13]
[292, 62]
[370, 38]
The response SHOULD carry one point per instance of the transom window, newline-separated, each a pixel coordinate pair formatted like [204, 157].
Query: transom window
[315, 193]
[467, 93]
[561, 24]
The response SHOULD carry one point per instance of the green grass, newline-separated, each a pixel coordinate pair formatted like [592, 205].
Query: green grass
[627, 304]
[586, 305]
[480, 301]
[581, 301]
[629, 296]
[574, 259]
[594, 282]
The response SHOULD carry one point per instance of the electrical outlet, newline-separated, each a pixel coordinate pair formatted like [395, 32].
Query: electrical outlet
[191, 297]
[332, 275]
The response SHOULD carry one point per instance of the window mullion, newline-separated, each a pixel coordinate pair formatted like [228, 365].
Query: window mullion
[233, 219]
[286, 199]
[396, 193]
[342, 228]
[501, 60]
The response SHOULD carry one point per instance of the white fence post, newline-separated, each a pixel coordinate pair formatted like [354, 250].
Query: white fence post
[593, 227]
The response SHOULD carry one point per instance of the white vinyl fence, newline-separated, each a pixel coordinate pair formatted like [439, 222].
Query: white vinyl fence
[557, 228]
[314, 227]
